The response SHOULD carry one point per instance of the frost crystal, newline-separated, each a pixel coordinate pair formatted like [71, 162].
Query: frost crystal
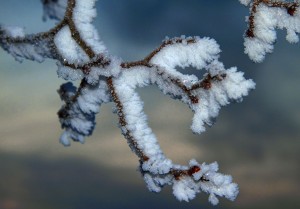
[54, 9]
[265, 17]
[76, 46]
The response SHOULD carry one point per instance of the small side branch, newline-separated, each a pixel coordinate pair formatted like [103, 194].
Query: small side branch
[123, 123]
[146, 61]
[290, 7]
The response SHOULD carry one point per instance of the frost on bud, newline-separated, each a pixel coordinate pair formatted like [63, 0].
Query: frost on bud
[185, 189]
[206, 179]
[187, 184]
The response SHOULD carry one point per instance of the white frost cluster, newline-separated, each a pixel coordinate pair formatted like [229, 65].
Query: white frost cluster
[113, 69]
[266, 20]
[62, 46]
[13, 31]
[234, 87]
[245, 2]
[185, 188]
[202, 54]
[54, 9]
[83, 16]
[68, 73]
[79, 118]
[36, 50]
[136, 119]
[68, 48]
[185, 54]
[84, 13]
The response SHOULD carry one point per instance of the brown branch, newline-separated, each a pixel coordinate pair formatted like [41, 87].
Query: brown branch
[103, 61]
[206, 82]
[177, 173]
[290, 7]
[179, 84]
[167, 43]
[146, 61]
[180, 173]
[74, 31]
[99, 61]
[39, 36]
[67, 21]
[122, 121]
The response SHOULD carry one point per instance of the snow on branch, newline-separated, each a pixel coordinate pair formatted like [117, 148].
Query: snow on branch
[265, 17]
[76, 46]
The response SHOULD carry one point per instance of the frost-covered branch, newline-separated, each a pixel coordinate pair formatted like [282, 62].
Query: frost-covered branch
[75, 44]
[265, 17]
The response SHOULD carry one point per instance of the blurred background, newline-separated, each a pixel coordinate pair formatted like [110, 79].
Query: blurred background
[256, 141]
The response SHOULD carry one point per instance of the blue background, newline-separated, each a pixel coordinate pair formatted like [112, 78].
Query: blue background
[256, 141]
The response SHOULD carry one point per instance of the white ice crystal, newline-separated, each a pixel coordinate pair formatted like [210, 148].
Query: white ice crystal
[78, 118]
[35, 50]
[213, 183]
[234, 86]
[263, 22]
[245, 2]
[68, 48]
[54, 9]
[185, 189]
[83, 15]
[182, 54]
[68, 73]
[113, 69]
[13, 31]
